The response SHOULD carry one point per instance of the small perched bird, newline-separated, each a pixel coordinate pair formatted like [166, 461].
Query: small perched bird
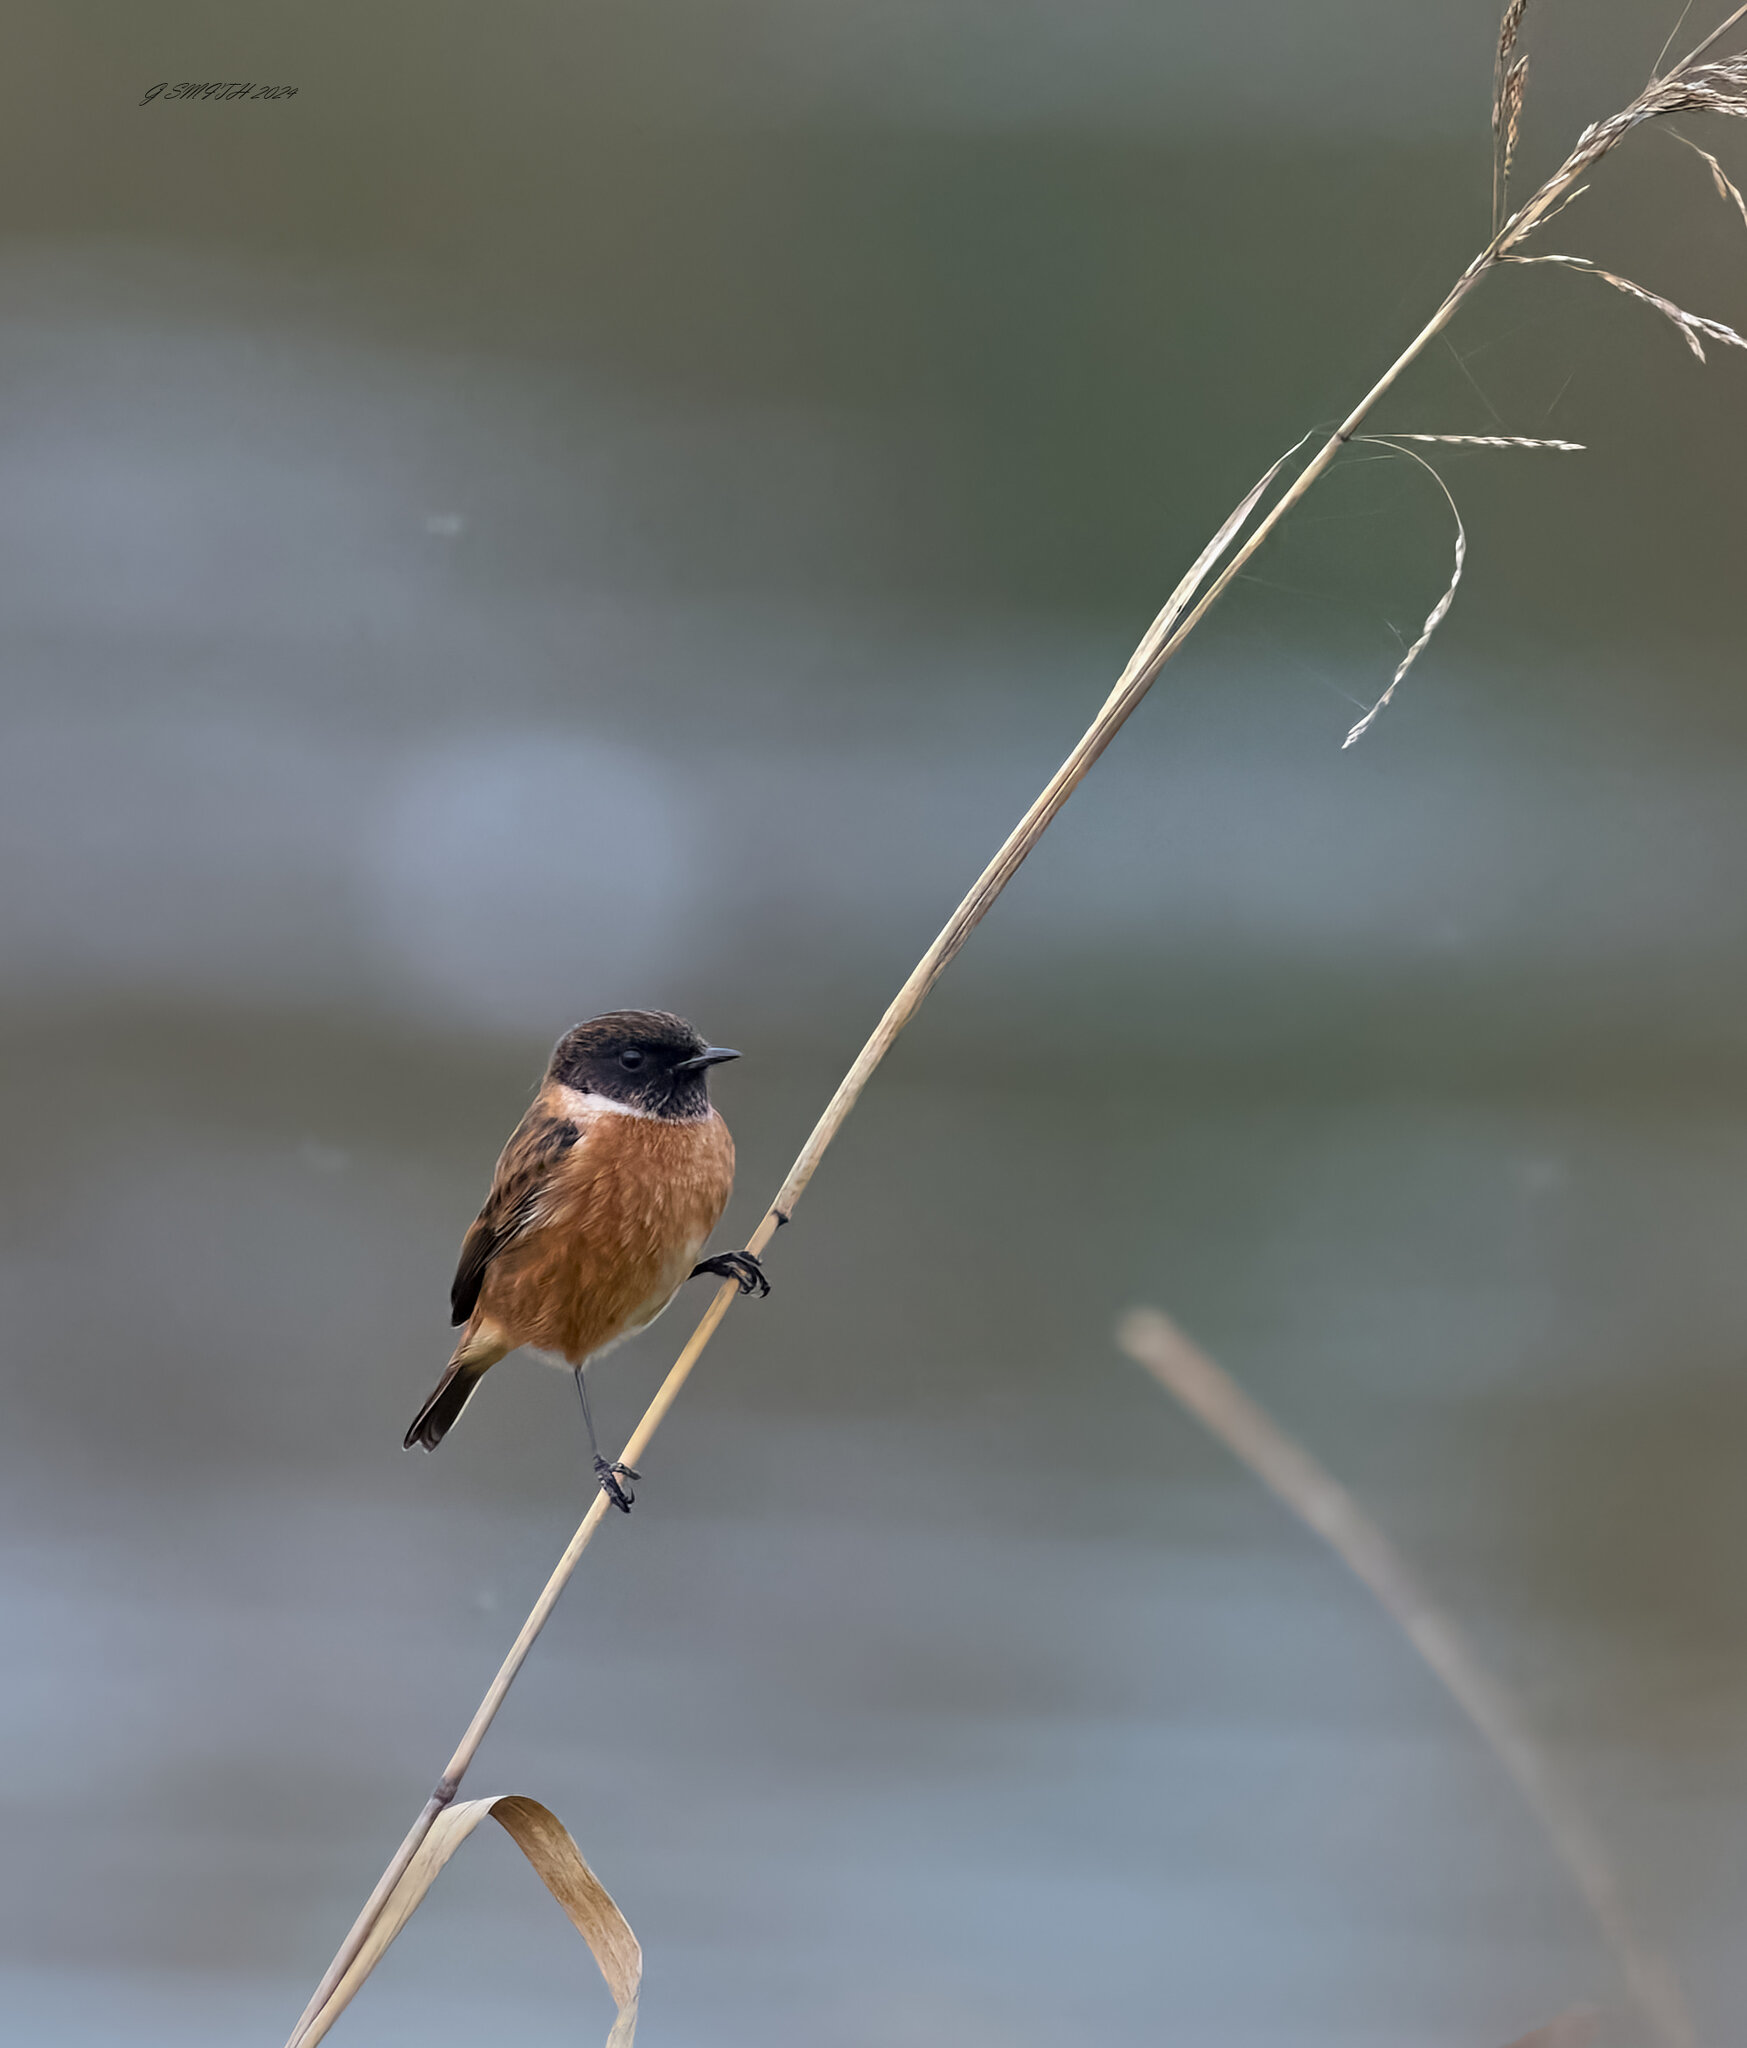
[599, 1207]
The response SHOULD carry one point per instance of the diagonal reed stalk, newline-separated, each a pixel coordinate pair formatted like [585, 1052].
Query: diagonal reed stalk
[1325, 1507]
[1691, 86]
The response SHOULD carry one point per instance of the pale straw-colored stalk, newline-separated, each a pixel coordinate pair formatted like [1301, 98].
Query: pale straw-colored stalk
[1690, 86]
[1319, 1501]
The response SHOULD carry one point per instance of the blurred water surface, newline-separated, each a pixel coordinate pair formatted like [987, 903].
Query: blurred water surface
[626, 506]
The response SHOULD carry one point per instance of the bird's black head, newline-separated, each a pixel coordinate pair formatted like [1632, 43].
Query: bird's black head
[648, 1061]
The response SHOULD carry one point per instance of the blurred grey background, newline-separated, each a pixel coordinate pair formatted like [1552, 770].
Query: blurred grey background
[625, 504]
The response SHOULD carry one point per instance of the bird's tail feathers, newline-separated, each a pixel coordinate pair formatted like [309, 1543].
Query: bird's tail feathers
[473, 1359]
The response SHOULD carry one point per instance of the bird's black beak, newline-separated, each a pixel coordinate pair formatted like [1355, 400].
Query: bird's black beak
[711, 1056]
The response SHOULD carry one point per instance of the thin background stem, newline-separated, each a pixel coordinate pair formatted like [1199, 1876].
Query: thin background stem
[1710, 42]
[1319, 1501]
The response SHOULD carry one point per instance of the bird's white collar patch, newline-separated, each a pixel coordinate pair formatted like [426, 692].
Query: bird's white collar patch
[583, 1106]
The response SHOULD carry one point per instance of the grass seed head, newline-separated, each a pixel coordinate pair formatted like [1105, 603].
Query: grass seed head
[1507, 29]
[1516, 83]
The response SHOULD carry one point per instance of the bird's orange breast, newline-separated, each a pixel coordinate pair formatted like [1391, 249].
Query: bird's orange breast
[621, 1226]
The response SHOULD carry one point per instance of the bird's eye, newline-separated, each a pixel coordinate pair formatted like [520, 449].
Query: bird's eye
[630, 1057]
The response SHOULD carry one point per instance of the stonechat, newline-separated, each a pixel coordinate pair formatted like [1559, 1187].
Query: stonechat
[601, 1202]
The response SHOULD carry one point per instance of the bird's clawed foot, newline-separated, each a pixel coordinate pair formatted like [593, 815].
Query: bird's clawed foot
[741, 1266]
[610, 1476]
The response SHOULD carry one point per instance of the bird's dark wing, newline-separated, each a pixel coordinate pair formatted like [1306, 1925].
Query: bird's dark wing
[541, 1139]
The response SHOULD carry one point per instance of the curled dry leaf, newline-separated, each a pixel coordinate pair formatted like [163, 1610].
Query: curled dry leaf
[547, 1843]
[1436, 616]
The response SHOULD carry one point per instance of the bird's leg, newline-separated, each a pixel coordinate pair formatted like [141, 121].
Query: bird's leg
[741, 1266]
[608, 1475]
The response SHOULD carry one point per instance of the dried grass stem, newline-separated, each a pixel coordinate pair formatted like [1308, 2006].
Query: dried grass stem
[1691, 86]
[1325, 1507]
